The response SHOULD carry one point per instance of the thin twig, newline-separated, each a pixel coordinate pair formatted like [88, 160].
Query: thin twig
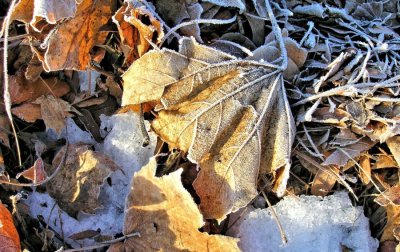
[350, 89]
[273, 212]
[7, 96]
[194, 22]
[278, 35]
[104, 244]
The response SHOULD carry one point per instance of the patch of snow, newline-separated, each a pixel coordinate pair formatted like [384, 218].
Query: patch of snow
[87, 77]
[310, 223]
[75, 134]
[124, 145]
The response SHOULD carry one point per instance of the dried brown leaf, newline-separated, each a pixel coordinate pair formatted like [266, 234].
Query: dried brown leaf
[165, 215]
[54, 111]
[365, 170]
[77, 186]
[22, 90]
[231, 116]
[69, 46]
[29, 112]
[324, 181]
[135, 35]
[394, 146]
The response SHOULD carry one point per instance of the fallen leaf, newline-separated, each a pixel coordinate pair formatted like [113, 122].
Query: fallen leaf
[77, 185]
[324, 181]
[365, 169]
[135, 35]
[384, 161]
[36, 173]
[394, 146]
[29, 112]
[229, 3]
[22, 90]
[52, 10]
[68, 47]
[9, 238]
[393, 222]
[344, 154]
[54, 111]
[166, 217]
[390, 196]
[210, 110]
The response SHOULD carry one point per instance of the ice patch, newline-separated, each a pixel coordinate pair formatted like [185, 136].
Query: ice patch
[311, 224]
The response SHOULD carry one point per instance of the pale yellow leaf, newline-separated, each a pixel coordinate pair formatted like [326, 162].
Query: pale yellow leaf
[166, 217]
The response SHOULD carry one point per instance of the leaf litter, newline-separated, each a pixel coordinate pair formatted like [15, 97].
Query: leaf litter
[250, 98]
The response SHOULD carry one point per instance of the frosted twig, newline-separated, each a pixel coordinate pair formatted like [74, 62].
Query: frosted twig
[6, 95]
[194, 22]
[278, 35]
[351, 88]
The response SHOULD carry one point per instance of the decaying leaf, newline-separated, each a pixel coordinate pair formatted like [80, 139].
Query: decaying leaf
[69, 45]
[135, 35]
[9, 238]
[53, 10]
[165, 215]
[22, 90]
[54, 111]
[29, 112]
[36, 173]
[77, 186]
[231, 116]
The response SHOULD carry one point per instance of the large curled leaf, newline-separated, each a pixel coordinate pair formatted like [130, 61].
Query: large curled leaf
[232, 117]
[166, 217]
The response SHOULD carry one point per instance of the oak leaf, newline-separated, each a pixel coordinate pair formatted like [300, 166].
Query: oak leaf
[77, 186]
[231, 116]
[9, 238]
[69, 45]
[166, 217]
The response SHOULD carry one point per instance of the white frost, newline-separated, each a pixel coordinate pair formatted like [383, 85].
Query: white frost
[311, 224]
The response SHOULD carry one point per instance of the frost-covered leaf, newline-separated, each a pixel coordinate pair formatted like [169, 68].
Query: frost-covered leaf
[77, 186]
[9, 238]
[52, 10]
[69, 45]
[166, 217]
[135, 34]
[231, 116]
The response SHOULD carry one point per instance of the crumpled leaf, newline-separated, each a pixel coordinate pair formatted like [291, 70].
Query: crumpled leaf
[9, 238]
[54, 111]
[231, 116]
[165, 215]
[135, 35]
[76, 186]
[36, 173]
[69, 46]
